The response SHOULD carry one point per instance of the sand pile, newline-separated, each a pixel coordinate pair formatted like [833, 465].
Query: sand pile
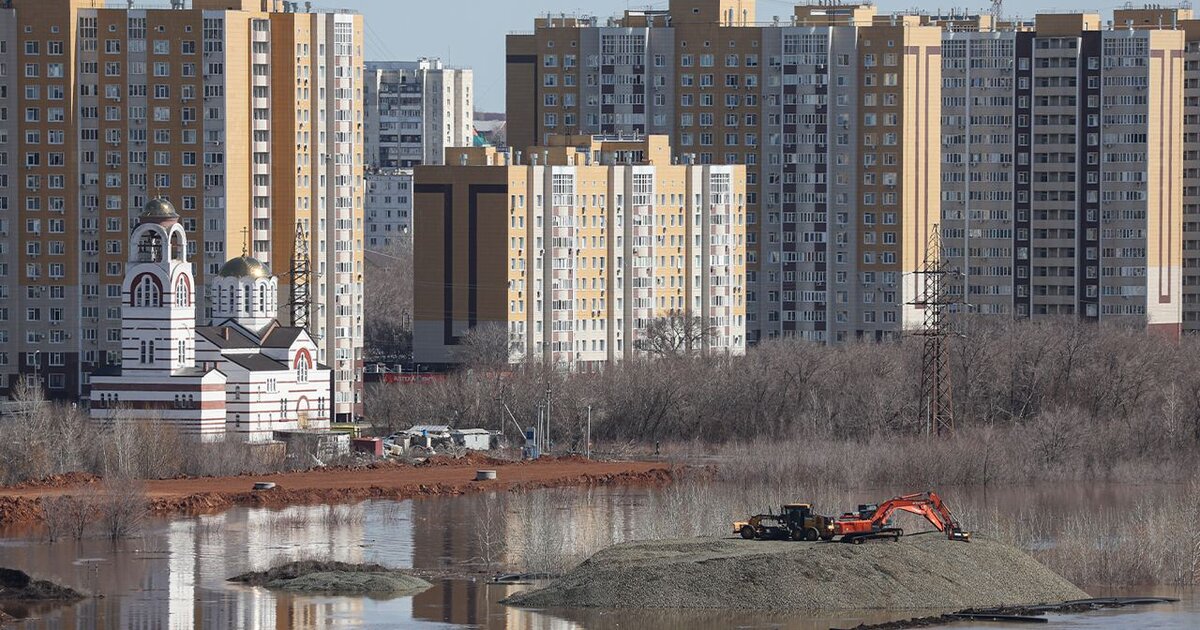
[919, 572]
[335, 578]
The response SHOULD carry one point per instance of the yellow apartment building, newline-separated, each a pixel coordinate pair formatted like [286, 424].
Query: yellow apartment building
[575, 247]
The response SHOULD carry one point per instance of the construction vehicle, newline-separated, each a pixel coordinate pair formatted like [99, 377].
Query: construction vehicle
[796, 521]
[874, 521]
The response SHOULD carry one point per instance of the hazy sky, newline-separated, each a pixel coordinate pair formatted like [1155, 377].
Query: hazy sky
[470, 33]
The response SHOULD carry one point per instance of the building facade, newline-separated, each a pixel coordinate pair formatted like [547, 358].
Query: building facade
[834, 111]
[415, 110]
[243, 378]
[1062, 150]
[575, 248]
[389, 205]
[244, 113]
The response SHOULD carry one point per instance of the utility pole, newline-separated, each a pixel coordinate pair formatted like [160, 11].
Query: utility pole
[538, 434]
[937, 404]
[589, 433]
[548, 443]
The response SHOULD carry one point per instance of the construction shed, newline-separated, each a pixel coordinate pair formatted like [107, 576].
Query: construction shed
[472, 439]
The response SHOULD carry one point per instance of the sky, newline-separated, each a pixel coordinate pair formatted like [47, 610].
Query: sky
[470, 33]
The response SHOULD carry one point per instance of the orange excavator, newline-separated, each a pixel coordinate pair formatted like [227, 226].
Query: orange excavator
[874, 521]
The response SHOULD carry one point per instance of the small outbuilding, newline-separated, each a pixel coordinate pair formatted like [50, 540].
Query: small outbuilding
[429, 435]
[472, 439]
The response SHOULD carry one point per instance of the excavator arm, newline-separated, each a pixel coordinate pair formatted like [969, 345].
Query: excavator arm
[926, 504]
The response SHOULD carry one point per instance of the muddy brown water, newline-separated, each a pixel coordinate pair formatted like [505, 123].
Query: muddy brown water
[173, 575]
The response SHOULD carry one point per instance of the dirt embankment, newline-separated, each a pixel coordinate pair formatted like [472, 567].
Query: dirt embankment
[438, 477]
[919, 572]
[336, 578]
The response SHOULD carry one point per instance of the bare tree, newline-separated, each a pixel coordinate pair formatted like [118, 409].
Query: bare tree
[675, 334]
[66, 516]
[485, 347]
[121, 507]
[388, 301]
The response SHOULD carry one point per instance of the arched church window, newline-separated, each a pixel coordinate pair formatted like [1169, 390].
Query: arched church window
[302, 369]
[146, 293]
[183, 292]
[177, 248]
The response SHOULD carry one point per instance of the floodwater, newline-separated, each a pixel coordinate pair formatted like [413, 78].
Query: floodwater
[173, 576]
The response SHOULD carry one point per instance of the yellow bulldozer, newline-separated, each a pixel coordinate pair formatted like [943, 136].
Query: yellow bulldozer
[795, 521]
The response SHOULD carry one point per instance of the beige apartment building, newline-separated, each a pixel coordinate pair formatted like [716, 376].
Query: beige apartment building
[1063, 156]
[575, 247]
[833, 110]
[246, 114]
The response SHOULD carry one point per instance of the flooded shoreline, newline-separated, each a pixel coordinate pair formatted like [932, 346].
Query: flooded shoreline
[23, 504]
[174, 574]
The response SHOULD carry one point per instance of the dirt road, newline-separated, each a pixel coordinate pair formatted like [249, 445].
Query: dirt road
[397, 481]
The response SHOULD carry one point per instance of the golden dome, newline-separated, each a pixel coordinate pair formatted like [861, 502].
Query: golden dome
[158, 209]
[244, 267]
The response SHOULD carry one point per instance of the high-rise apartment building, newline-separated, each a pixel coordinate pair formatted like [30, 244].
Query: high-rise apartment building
[415, 110]
[576, 248]
[1063, 153]
[246, 114]
[833, 110]
[388, 208]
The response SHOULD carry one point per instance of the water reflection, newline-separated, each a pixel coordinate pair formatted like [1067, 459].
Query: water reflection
[174, 576]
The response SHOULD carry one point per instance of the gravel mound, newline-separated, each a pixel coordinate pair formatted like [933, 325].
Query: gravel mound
[919, 572]
[343, 583]
[335, 578]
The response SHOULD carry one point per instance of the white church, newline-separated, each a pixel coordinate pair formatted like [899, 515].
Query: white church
[243, 377]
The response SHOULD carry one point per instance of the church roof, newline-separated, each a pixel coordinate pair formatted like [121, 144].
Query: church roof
[281, 336]
[256, 362]
[108, 369]
[244, 266]
[226, 337]
[158, 209]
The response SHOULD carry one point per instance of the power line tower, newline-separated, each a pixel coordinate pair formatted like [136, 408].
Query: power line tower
[937, 403]
[300, 302]
[997, 10]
